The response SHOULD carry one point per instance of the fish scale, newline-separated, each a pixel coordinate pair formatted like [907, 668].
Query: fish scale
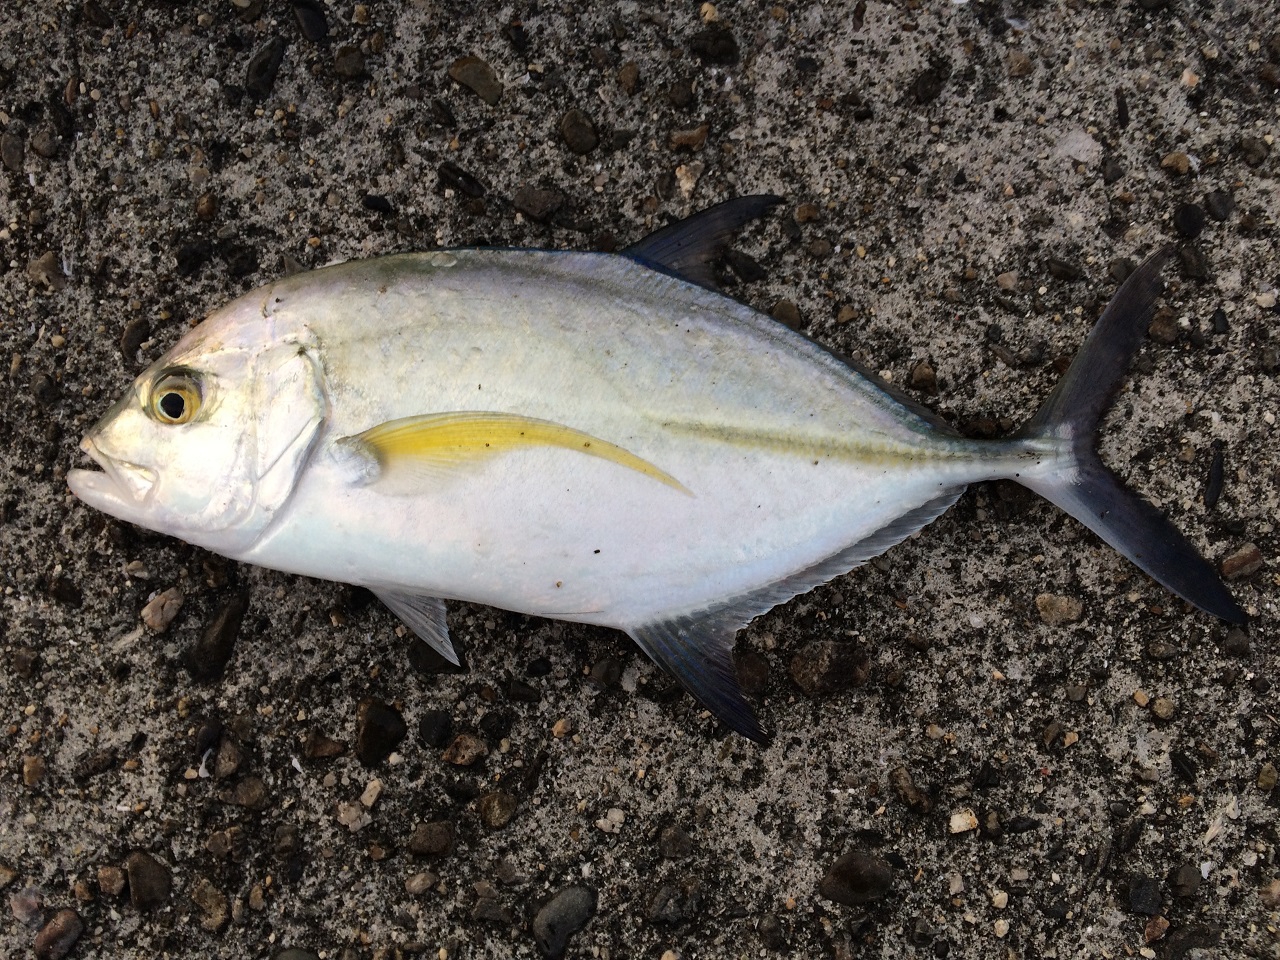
[591, 437]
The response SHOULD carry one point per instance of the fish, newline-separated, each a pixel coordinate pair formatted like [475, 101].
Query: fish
[602, 438]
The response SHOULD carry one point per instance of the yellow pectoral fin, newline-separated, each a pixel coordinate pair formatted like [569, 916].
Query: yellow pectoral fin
[442, 443]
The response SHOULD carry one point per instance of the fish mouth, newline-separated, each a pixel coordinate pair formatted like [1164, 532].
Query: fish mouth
[120, 489]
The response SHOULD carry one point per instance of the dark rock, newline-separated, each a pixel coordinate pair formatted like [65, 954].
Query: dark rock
[1242, 563]
[772, 933]
[521, 692]
[538, 203]
[927, 86]
[578, 131]
[715, 44]
[560, 918]
[490, 910]
[377, 203]
[432, 840]
[1194, 264]
[1188, 220]
[12, 150]
[607, 672]
[208, 657]
[825, 666]
[150, 881]
[674, 843]
[260, 75]
[25, 663]
[190, 257]
[1219, 204]
[46, 141]
[1236, 643]
[1062, 269]
[1111, 171]
[786, 313]
[136, 332]
[908, 792]
[673, 904]
[321, 747]
[680, 94]
[96, 15]
[427, 660]
[496, 725]
[856, 879]
[64, 591]
[434, 727]
[228, 759]
[1144, 895]
[629, 77]
[59, 935]
[250, 793]
[924, 378]
[348, 63]
[454, 177]
[753, 671]
[45, 389]
[213, 903]
[1254, 150]
[496, 809]
[379, 730]
[478, 77]
[311, 18]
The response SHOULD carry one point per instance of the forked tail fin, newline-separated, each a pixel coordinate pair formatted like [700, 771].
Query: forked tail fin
[1091, 492]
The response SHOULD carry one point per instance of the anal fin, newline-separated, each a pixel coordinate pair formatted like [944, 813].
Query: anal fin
[425, 616]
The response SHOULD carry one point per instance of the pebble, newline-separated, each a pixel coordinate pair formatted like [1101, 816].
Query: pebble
[924, 378]
[45, 141]
[454, 177]
[434, 839]
[560, 918]
[674, 843]
[1244, 562]
[213, 904]
[772, 933]
[578, 131]
[478, 77]
[1164, 327]
[1236, 643]
[207, 658]
[7, 875]
[136, 332]
[1144, 895]
[927, 86]
[1219, 204]
[1184, 882]
[1177, 162]
[1018, 64]
[1192, 261]
[856, 879]
[250, 793]
[227, 760]
[1267, 777]
[1063, 270]
[962, 821]
[150, 881]
[1254, 150]
[497, 809]
[907, 791]
[46, 270]
[690, 138]
[1163, 707]
[33, 769]
[1156, 928]
[12, 151]
[434, 727]
[629, 77]
[1112, 170]
[715, 44]
[490, 910]
[161, 609]
[380, 728]
[264, 65]
[59, 935]
[419, 883]
[318, 746]
[311, 19]
[1055, 610]
[538, 203]
[826, 666]
[465, 750]
[1189, 220]
[348, 63]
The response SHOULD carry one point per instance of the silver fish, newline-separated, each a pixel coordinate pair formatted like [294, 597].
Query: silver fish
[600, 438]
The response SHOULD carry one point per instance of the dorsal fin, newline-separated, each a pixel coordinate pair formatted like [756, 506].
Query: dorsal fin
[687, 248]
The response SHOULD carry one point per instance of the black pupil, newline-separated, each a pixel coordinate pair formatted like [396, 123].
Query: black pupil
[172, 405]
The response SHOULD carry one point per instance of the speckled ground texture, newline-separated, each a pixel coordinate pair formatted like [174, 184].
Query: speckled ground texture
[963, 184]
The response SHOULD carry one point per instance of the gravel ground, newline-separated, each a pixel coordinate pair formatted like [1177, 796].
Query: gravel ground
[998, 740]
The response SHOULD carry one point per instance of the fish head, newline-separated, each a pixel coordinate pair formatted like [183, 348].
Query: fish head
[210, 440]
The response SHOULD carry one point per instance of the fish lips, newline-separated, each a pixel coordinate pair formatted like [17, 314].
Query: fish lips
[121, 489]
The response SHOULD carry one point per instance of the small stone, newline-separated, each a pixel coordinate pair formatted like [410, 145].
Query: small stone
[419, 883]
[826, 666]
[1112, 171]
[1254, 150]
[1189, 220]
[924, 378]
[1236, 643]
[787, 313]
[264, 65]
[434, 727]
[32, 770]
[1055, 610]
[1176, 162]
[311, 18]
[111, 880]
[560, 918]
[465, 750]
[1242, 563]
[1192, 262]
[348, 63]
[213, 904]
[369, 796]
[856, 879]
[59, 935]
[538, 203]
[12, 151]
[454, 177]
[562, 728]
[607, 672]
[1184, 882]
[629, 77]
[46, 270]
[45, 141]
[962, 821]
[715, 44]
[1157, 927]
[320, 747]
[380, 728]
[578, 131]
[208, 657]
[136, 333]
[674, 843]
[250, 793]
[496, 809]
[1164, 327]
[907, 791]
[1163, 708]
[491, 911]
[1219, 204]
[1267, 777]
[161, 610]
[478, 77]
[150, 882]
[1063, 270]
[228, 759]
[927, 86]
[691, 138]
[1019, 64]
[680, 93]
[1144, 895]
[433, 839]
[1007, 281]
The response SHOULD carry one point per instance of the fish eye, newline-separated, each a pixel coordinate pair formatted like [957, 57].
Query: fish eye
[175, 399]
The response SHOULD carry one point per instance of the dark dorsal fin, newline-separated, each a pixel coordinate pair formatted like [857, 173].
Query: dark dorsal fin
[688, 247]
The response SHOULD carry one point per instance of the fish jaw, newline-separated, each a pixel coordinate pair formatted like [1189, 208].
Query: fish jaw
[121, 489]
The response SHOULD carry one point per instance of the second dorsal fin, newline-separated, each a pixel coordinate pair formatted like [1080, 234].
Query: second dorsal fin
[688, 247]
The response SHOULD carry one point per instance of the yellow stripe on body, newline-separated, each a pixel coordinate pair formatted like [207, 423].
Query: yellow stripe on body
[444, 441]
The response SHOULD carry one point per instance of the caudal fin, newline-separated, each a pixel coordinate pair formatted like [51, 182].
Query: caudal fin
[1087, 489]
